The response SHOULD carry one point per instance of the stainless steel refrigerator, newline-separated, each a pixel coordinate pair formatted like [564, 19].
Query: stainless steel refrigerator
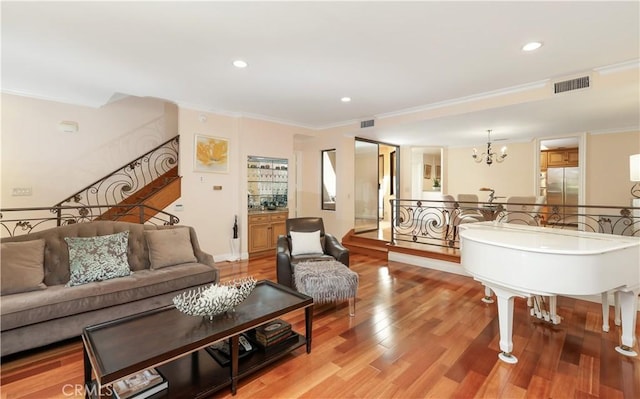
[562, 189]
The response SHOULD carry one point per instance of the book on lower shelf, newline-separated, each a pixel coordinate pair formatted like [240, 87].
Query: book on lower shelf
[288, 340]
[276, 339]
[271, 329]
[140, 385]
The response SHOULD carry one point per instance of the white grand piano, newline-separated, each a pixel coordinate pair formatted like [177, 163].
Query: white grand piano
[524, 261]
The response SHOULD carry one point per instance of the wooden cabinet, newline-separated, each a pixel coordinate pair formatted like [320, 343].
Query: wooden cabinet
[561, 158]
[543, 160]
[264, 230]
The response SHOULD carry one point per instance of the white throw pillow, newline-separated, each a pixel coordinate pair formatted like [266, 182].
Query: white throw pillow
[305, 243]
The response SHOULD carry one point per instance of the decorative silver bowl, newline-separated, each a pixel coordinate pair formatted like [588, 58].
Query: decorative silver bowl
[216, 299]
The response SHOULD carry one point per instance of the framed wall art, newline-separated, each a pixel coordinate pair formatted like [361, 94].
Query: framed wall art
[211, 154]
[427, 171]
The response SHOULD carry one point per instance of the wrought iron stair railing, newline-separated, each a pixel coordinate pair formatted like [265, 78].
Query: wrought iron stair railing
[157, 165]
[21, 221]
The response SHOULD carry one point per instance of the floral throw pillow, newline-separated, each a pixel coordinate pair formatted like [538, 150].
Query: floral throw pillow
[97, 258]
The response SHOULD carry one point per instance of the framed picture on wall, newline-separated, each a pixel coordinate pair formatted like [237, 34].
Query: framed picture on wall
[210, 154]
[427, 171]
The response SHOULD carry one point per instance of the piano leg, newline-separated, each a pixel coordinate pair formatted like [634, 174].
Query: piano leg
[629, 309]
[487, 295]
[616, 301]
[505, 318]
[605, 311]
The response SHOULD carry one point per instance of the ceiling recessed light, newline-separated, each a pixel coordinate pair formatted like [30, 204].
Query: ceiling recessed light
[345, 99]
[240, 64]
[531, 46]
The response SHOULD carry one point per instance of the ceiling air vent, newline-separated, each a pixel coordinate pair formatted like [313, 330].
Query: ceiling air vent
[572, 84]
[368, 123]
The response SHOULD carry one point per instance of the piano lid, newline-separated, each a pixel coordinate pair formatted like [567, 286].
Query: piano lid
[545, 239]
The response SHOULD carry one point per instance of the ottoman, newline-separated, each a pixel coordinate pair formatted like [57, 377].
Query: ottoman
[327, 281]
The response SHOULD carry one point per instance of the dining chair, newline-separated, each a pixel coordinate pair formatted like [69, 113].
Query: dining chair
[469, 205]
[524, 209]
[454, 216]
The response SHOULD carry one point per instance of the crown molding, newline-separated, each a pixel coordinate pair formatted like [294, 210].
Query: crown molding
[232, 114]
[620, 67]
[464, 100]
[62, 100]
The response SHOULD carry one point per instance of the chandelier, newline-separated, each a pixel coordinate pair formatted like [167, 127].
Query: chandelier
[489, 156]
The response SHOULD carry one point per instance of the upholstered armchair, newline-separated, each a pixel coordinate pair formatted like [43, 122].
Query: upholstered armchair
[306, 240]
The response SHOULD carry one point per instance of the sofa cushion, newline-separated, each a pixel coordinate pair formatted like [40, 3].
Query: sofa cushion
[303, 243]
[169, 247]
[22, 266]
[59, 301]
[97, 258]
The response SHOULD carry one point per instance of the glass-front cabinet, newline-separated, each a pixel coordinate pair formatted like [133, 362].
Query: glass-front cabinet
[268, 183]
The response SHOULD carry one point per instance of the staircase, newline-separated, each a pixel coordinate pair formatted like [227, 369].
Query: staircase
[158, 194]
[136, 192]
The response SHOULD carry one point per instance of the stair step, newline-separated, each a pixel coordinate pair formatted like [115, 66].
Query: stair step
[366, 246]
[449, 257]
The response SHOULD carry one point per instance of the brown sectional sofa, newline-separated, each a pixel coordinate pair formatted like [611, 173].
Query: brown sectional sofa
[56, 312]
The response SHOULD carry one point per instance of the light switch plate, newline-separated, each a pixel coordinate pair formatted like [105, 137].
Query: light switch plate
[21, 191]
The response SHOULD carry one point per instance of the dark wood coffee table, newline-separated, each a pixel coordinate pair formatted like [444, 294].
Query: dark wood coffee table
[163, 338]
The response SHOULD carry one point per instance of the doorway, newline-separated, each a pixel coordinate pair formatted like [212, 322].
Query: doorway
[376, 172]
[561, 179]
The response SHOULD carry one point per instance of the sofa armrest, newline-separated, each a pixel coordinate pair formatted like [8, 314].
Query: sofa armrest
[201, 256]
[335, 249]
[204, 258]
[283, 262]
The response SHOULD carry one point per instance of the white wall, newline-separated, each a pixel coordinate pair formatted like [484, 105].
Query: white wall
[54, 164]
[607, 166]
[340, 221]
[210, 211]
[515, 176]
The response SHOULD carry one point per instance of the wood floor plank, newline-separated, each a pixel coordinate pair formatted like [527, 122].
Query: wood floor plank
[588, 378]
[417, 333]
[444, 388]
[496, 382]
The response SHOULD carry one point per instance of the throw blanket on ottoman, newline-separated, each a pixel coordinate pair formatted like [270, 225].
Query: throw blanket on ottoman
[326, 281]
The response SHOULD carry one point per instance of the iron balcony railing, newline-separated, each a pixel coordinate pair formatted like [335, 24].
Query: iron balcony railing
[21, 221]
[436, 222]
[92, 201]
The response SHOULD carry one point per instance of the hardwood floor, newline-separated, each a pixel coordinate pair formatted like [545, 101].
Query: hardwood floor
[417, 333]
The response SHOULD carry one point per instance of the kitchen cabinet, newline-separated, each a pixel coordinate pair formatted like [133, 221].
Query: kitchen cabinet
[543, 160]
[562, 157]
[264, 229]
